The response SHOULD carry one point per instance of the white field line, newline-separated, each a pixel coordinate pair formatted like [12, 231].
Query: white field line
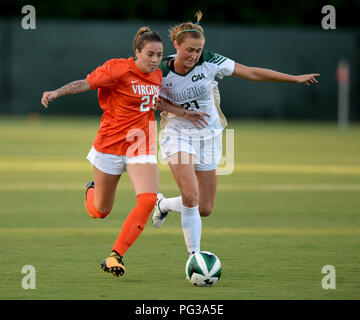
[45, 186]
[178, 231]
[84, 166]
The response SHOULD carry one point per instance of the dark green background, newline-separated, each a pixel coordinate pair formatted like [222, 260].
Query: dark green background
[72, 39]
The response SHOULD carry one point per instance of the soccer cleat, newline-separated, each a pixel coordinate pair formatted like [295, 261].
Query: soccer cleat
[89, 185]
[158, 217]
[113, 264]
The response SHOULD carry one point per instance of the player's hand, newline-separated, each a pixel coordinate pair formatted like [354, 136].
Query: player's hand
[307, 78]
[47, 97]
[197, 118]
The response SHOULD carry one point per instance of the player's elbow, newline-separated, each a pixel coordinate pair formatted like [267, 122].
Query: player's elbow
[254, 74]
[85, 85]
[245, 72]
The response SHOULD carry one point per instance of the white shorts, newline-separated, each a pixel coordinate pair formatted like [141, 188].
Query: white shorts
[207, 151]
[114, 164]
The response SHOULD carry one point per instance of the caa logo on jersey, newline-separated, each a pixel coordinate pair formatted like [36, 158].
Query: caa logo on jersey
[198, 77]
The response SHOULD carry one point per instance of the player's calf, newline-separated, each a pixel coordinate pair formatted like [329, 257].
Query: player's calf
[92, 211]
[206, 208]
[205, 212]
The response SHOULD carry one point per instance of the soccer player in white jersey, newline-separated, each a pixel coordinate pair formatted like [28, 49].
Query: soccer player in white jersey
[193, 154]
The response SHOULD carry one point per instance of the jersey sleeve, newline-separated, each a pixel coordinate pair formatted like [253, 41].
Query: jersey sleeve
[107, 75]
[222, 66]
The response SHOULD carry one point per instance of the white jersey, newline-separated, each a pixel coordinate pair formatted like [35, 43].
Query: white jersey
[196, 90]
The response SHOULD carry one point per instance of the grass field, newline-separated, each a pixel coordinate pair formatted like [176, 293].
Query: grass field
[291, 206]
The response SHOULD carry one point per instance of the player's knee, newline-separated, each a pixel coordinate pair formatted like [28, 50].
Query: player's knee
[102, 214]
[190, 199]
[103, 208]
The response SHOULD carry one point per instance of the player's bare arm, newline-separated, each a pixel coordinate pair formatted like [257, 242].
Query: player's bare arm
[197, 118]
[73, 87]
[262, 74]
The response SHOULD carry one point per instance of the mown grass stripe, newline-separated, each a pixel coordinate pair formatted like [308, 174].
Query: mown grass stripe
[46, 186]
[35, 165]
[178, 230]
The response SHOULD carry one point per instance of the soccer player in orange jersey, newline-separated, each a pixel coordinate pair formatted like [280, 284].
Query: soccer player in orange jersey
[128, 92]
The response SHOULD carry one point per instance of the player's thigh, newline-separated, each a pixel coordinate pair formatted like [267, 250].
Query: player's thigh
[207, 181]
[144, 177]
[182, 168]
[105, 188]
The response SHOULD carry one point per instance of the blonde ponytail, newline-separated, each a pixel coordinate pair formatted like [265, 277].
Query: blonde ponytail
[181, 31]
[198, 16]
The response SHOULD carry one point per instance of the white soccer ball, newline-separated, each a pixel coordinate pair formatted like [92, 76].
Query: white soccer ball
[203, 269]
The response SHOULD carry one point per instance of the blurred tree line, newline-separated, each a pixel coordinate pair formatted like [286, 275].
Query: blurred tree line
[251, 12]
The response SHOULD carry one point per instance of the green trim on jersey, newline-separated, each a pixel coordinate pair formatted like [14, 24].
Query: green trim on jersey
[214, 58]
[206, 56]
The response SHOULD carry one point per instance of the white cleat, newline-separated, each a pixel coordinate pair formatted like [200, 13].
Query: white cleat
[158, 217]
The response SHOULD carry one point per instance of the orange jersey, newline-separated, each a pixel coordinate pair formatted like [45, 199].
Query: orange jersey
[127, 97]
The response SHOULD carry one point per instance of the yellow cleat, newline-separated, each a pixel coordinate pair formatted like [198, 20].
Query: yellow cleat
[113, 264]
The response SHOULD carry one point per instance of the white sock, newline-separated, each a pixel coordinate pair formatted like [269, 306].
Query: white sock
[191, 225]
[171, 204]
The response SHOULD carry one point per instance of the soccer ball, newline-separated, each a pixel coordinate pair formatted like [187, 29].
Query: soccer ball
[203, 269]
